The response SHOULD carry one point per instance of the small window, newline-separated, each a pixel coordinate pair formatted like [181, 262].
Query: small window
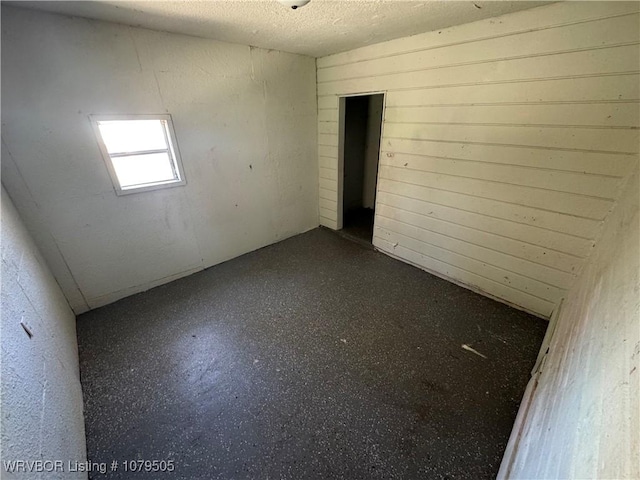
[140, 151]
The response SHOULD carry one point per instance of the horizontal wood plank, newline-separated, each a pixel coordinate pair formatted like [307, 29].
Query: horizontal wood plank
[551, 201]
[473, 280]
[558, 222]
[592, 163]
[570, 250]
[581, 36]
[567, 182]
[552, 16]
[575, 64]
[612, 115]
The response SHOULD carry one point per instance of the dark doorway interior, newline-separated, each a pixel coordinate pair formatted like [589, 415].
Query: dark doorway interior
[363, 122]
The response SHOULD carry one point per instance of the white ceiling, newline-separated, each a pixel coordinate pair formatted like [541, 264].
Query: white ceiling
[321, 28]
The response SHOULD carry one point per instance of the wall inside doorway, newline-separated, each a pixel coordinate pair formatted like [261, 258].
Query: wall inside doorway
[372, 150]
[355, 138]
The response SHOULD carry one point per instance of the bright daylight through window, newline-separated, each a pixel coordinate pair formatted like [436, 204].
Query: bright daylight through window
[140, 151]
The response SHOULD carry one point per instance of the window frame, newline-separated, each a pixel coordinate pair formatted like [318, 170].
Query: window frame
[172, 143]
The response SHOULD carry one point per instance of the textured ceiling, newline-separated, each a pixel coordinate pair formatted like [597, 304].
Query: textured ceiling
[320, 28]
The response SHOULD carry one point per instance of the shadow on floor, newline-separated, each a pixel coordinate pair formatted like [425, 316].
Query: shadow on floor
[358, 223]
[310, 358]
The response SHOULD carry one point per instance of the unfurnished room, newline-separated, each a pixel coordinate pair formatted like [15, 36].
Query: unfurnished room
[293, 239]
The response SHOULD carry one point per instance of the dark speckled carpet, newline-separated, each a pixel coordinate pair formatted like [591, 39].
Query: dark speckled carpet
[312, 358]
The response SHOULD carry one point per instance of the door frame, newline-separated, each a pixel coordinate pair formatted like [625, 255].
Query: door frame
[342, 108]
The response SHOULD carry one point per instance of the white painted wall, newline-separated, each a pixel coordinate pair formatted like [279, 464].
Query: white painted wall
[504, 143]
[245, 124]
[584, 417]
[372, 150]
[41, 414]
[356, 126]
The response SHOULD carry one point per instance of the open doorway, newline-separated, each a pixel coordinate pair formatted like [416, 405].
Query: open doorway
[362, 123]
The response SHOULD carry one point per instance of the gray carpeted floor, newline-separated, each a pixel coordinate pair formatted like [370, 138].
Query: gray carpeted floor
[312, 358]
